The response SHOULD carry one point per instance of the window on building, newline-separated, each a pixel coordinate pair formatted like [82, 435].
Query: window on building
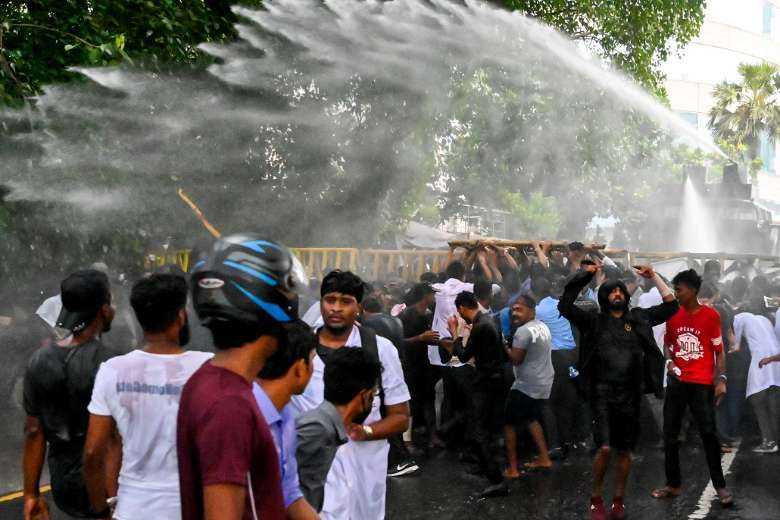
[690, 117]
[769, 14]
[766, 151]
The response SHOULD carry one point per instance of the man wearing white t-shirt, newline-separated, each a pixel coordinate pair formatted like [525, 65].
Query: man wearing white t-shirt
[456, 375]
[137, 395]
[356, 487]
[763, 382]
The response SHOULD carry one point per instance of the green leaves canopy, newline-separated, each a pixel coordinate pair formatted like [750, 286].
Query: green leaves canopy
[635, 35]
[41, 39]
[745, 110]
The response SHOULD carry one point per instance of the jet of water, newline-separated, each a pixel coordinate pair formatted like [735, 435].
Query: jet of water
[697, 225]
[327, 117]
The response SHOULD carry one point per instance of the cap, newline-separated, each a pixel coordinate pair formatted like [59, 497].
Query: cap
[83, 293]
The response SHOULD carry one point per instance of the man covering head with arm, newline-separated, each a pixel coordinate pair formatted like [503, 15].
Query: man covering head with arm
[619, 361]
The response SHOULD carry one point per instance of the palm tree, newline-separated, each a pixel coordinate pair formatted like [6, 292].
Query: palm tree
[746, 110]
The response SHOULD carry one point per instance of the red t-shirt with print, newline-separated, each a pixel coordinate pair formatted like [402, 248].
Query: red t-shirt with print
[694, 340]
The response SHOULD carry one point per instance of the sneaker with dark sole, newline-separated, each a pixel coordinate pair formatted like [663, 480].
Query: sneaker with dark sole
[597, 510]
[404, 468]
[766, 447]
[618, 510]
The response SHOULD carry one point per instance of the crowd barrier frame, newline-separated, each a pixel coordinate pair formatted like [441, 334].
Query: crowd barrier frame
[409, 264]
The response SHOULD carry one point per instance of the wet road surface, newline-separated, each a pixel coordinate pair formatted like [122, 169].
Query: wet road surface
[444, 490]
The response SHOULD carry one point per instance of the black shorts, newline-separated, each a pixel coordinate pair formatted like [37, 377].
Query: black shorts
[615, 413]
[522, 409]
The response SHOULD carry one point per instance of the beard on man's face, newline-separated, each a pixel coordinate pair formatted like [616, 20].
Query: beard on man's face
[618, 304]
[336, 330]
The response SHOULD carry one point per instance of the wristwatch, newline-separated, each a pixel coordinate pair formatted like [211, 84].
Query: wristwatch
[368, 431]
[723, 376]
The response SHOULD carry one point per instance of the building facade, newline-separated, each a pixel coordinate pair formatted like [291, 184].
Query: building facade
[734, 32]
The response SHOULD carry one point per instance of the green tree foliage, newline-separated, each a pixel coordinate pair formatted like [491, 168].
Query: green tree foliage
[559, 150]
[635, 35]
[41, 39]
[535, 215]
[746, 110]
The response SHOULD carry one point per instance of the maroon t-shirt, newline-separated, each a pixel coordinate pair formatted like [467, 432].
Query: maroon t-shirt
[222, 438]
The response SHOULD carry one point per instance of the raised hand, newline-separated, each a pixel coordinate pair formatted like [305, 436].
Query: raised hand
[645, 271]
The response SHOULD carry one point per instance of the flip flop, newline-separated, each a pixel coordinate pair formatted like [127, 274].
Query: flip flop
[665, 492]
[535, 466]
[512, 477]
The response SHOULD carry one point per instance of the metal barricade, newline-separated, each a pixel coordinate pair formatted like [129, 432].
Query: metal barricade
[318, 261]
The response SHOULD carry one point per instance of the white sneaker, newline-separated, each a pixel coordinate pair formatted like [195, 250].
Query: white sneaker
[766, 447]
[404, 468]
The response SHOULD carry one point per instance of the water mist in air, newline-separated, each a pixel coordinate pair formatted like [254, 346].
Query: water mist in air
[697, 232]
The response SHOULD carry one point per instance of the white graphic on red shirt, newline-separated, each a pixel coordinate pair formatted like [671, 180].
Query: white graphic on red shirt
[689, 347]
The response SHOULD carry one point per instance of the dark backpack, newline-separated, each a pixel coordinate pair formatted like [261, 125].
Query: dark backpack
[368, 341]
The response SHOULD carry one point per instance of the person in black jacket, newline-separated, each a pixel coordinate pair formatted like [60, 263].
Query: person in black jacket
[484, 345]
[619, 361]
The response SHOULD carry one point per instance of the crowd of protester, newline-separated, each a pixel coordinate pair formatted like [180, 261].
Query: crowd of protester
[508, 352]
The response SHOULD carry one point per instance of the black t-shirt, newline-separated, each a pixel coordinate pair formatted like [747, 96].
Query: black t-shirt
[485, 346]
[619, 353]
[414, 323]
[387, 327]
[57, 390]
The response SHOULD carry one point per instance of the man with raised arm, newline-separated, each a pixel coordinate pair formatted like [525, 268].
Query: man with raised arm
[619, 361]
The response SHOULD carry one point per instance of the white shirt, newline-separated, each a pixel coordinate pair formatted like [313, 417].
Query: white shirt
[141, 391]
[313, 316]
[445, 307]
[762, 342]
[777, 324]
[356, 486]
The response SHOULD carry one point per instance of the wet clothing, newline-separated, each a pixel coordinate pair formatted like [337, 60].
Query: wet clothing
[417, 372]
[700, 399]
[534, 376]
[694, 339]
[356, 484]
[560, 328]
[597, 328]
[57, 390]
[619, 357]
[282, 426]
[522, 409]
[320, 432]
[388, 327]
[615, 413]
[222, 438]
[445, 307]
[141, 392]
[762, 342]
[619, 360]
[485, 346]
